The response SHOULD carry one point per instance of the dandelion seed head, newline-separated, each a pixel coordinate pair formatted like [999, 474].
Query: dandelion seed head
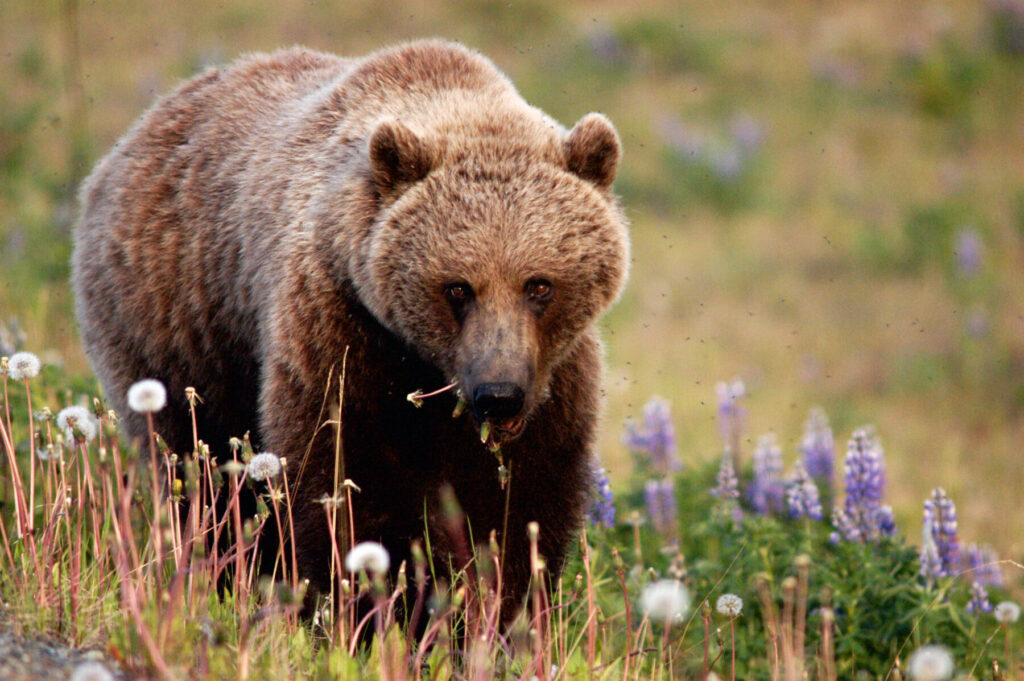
[77, 423]
[930, 663]
[263, 467]
[368, 556]
[91, 671]
[23, 365]
[665, 600]
[1006, 612]
[147, 396]
[729, 605]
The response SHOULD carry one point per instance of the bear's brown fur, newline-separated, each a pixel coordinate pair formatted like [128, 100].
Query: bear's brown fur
[408, 209]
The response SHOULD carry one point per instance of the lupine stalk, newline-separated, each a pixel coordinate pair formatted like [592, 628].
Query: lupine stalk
[767, 491]
[863, 516]
[656, 438]
[818, 447]
[731, 415]
[602, 507]
[660, 499]
[802, 495]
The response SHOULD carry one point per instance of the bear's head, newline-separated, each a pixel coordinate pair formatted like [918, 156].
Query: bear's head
[491, 259]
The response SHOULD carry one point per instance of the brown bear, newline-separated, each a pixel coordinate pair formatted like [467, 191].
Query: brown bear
[401, 220]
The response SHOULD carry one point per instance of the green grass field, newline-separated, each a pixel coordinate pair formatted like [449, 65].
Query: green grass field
[827, 201]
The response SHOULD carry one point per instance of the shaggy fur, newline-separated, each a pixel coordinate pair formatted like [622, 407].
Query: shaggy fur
[267, 218]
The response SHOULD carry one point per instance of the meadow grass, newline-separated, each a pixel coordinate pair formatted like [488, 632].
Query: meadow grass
[144, 553]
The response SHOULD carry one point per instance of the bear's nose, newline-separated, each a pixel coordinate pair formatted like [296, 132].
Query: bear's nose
[497, 401]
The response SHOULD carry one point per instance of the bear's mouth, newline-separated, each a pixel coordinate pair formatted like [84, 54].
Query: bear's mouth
[510, 428]
[493, 434]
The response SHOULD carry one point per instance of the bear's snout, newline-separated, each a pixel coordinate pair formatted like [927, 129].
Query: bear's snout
[497, 401]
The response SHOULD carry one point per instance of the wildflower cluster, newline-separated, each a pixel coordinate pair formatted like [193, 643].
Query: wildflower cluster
[660, 499]
[731, 415]
[802, 498]
[656, 438]
[767, 491]
[656, 441]
[817, 447]
[982, 565]
[939, 537]
[863, 517]
[602, 508]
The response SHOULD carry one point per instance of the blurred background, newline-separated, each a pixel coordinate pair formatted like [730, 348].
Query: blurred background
[827, 200]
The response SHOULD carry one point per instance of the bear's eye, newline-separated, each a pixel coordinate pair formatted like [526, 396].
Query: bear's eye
[538, 289]
[458, 293]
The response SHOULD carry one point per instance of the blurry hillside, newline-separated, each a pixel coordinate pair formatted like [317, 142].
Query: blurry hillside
[827, 199]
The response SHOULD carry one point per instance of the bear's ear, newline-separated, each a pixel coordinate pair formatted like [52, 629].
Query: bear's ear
[592, 150]
[397, 156]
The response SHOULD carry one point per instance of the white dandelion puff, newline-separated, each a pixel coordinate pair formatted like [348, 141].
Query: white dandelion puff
[263, 466]
[369, 556]
[146, 396]
[78, 424]
[665, 600]
[931, 663]
[23, 365]
[729, 605]
[1006, 612]
[91, 671]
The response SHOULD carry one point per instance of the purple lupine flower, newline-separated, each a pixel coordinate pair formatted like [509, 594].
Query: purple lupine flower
[602, 508]
[940, 519]
[730, 414]
[727, 491]
[767, 491]
[660, 498]
[728, 486]
[968, 252]
[982, 566]
[885, 521]
[802, 495]
[863, 517]
[657, 437]
[818, 447]
[846, 527]
[979, 603]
